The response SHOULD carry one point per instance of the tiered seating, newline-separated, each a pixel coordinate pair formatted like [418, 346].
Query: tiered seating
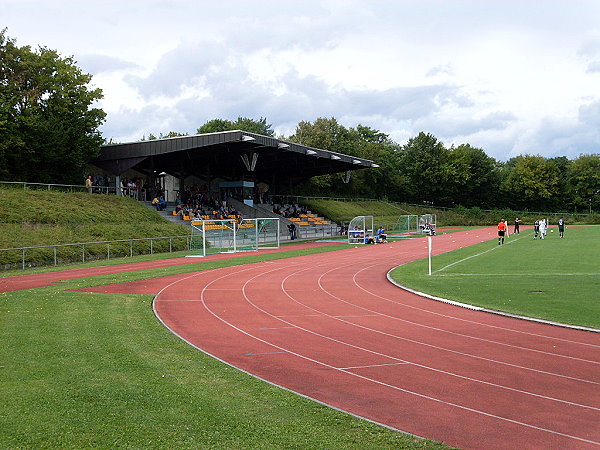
[311, 219]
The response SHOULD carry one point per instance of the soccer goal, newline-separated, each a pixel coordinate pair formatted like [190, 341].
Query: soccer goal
[407, 224]
[359, 228]
[229, 236]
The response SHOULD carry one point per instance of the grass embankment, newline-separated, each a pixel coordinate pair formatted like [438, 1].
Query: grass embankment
[36, 218]
[81, 370]
[387, 214]
[553, 279]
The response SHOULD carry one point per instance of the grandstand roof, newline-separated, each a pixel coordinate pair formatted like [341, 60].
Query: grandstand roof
[228, 155]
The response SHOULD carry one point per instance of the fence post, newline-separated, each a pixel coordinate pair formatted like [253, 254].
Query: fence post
[108, 251]
[83, 252]
[170, 245]
[151, 246]
[23, 259]
[131, 247]
[55, 256]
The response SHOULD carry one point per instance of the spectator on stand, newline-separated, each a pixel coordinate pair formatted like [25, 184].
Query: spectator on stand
[89, 184]
[162, 203]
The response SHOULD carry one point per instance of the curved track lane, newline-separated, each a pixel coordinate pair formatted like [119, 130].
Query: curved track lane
[331, 327]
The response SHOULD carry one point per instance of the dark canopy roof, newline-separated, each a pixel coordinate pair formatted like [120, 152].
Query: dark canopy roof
[228, 155]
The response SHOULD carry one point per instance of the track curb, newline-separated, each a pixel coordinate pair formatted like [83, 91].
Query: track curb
[491, 311]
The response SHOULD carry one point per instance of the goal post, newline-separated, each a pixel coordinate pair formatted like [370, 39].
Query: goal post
[359, 228]
[231, 236]
[407, 224]
[212, 236]
[259, 233]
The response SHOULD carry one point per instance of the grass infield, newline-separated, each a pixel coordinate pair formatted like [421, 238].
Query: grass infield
[553, 279]
[82, 370]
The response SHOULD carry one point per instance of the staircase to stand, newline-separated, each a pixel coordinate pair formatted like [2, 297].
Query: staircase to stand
[261, 211]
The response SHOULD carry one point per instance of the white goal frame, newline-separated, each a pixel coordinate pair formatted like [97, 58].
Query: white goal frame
[214, 236]
[359, 228]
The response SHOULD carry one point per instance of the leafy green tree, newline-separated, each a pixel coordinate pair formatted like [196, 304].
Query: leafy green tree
[327, 134]
[425, 163]
[386, 180]
[362, 141]
[584, 182]
[48, 127]
[170, 134]
[474, 178]
[531, 182]
[259, 126]
[565, 199]
[324, 133]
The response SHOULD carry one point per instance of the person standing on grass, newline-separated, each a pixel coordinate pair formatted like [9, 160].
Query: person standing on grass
[561, 227]
[501, 231]
[536, 228]
[517, 224]
[542, 228]
[89, 184]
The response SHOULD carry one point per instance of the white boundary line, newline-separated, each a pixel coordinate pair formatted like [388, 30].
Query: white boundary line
[372, 380]
[478, 254]
[154, 300]
[203, 301]
[491, 311]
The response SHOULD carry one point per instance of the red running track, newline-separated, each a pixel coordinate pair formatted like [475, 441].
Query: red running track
[30, 281]
[331, 327]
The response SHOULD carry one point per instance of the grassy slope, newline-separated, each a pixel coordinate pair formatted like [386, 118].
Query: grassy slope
[554, 279]
[36, 218]
[387, 213]
[98, 370]
[30, 217]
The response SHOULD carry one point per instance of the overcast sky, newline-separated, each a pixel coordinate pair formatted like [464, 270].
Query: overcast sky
[510, 77]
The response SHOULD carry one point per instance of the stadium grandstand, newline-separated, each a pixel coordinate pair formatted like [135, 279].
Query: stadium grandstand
[212, 176]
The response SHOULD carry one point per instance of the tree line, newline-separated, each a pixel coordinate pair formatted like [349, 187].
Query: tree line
[49, 133]
[425, 171]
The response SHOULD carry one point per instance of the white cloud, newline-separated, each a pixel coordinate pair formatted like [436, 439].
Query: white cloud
[507, 76]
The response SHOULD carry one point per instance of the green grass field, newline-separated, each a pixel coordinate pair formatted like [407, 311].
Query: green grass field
[553, 279]
[83, 370]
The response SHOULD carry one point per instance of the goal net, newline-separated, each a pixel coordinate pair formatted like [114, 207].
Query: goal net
[407, 224]
[254, 234]
[359, 228]
[230, 236]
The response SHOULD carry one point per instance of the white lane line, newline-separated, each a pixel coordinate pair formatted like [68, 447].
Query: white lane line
[274, 328]
[395, 302]
[453, 332]
[371, 379]
[376, 365]
[391, 335]
[550, 274]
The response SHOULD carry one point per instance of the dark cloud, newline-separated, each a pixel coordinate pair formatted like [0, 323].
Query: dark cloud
[96, 64]
[593, 67]
[449, 127]
[177, 69]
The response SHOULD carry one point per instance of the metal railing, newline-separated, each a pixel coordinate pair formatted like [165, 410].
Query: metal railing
[138, 193]
[35, 256]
